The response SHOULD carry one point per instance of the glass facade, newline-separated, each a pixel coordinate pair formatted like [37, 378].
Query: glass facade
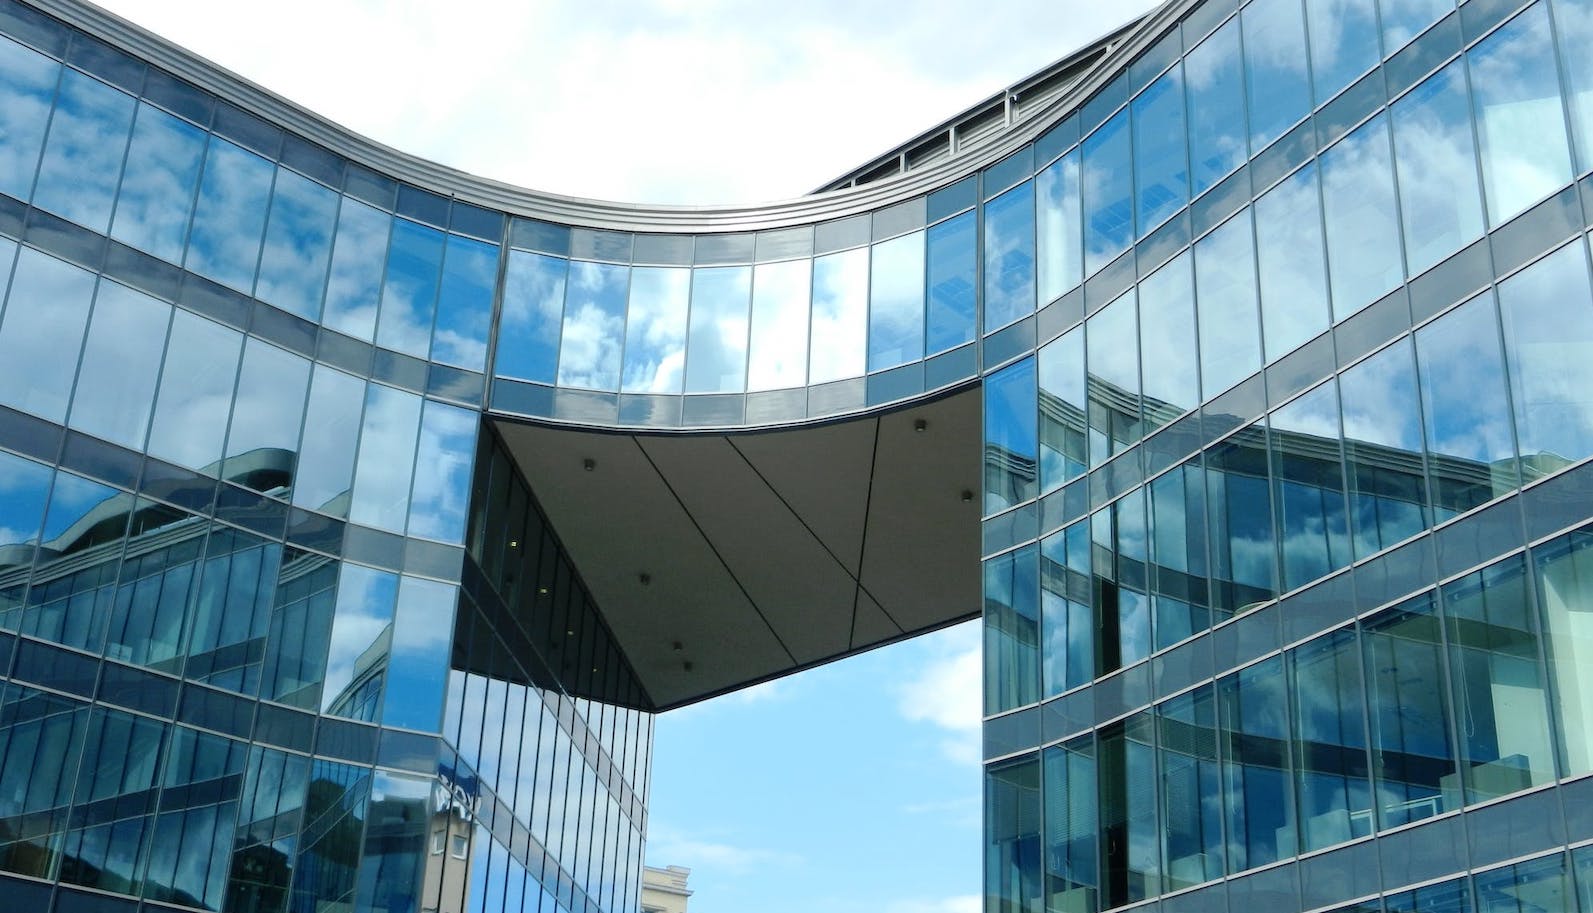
[1280, 326]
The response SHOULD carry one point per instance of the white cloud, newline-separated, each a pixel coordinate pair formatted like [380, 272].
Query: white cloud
[962, 903]
[946, 692]
[669, 848]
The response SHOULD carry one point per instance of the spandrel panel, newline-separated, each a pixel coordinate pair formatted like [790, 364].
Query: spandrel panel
[1112, 381]
[464, 303]
[1520, 119]
[83, 151]
[1059, 227]
[331, 434]
[159, 180]
[1293, 273]
[442, 485]
[27, 87]
[353, 287]
[896, 302]
[386, 462]
[41, 333]
[1329, 741]
[1548, 325]
[594, 326]
[1405, 19]
[1309, 487]
[1565, 591]
[1064, 452]
[1358, 206]
[1414, 772]
[1277, 83]
[532, 318]
[229, 216]
[1440, 202]
[1466, 408]
[266, 417]
[121, 362]
[716, 336]
[953, 284]
[1214, 80]
[778, 351]
[362, 634]
[1225, 283]
[1011, 436]
[655, 330]
[840, 316]
[1009, 256]
[409, 290]
[298, 245]
[1344, 42]
[1573, 25]
[1107, 194]
[196, 386]
[1166, 325]
[1257, 791]
[1161, 168]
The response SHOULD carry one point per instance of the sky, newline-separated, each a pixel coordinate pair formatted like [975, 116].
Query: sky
[854, 786]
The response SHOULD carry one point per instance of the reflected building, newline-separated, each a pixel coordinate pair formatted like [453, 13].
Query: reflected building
[358, 515]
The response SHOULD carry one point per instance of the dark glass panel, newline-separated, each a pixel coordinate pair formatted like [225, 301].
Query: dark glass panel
[1012, 630]
[1330, 759]
[1129, 838]
[1178, 571]
[1190, 778]
[1013, 847]
[1309, 486]
[951, 253]
[1067, 644]
[1258, 799]
[1011, 448]
[301, 625]
[1413, 758]
[1240, 511]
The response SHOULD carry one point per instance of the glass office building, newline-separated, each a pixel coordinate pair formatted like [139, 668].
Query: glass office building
[357, 515]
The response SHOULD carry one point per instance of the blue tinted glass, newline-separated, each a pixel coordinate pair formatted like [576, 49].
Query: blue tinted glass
[1548, 324]
[1161, 170]
[1405, 19]
[1009, 257]
[229, 218]
[83, 153]
[331, 435]
[952, 284]
[1108, 189]
[1166, 326]
[896, 302]
[1440, 203]
[1309, 487]
[442, 487]
[1112, 354]
[1012, 446]
[594, 326]
[1276, 79]
[298, 245]
[121, 361]
[1215, 82]
[196, 384]
[266, 415]
[1520, 119]
[781, 302]
[361, 636]
[41, 333]
[464, 304]
[1293, 274]
[158, 183]
[1573, 23]
[840, 316]
[1012, 631]
[23, 487]
[1466, 407]
[1063, 448]
[1068, 624]
[1258, 798]
[354, 286]
[717, 331]
[71, 500]
[1343, 42]
[1358, 205]
[27, 85]
[1382, 447]
[533, 312]
[1225, 282]
[1330, 741]
[655, 330]
[409, 290]
[1059, 226]
[386, 459]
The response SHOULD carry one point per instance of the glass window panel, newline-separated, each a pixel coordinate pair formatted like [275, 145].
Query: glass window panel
[1166, 325]
[1405, 19]
[1257, 796]
[298, 245]
[1107, 191]
[23, 487]
[230, 612]
[1294, 285]
[266, 416]
[1067, 657]
[83, 152]
[1573, 24]
[1011, 436]
[354, 285]
[1548, 325]
[1382, 450]
[1540, 884]
[594, 326]
[1060, 240]
[1467, 410]
[1121, 603]
[1565, 586]
[1110, 338]
[1161, 168]
[1215, 82]
[393, 863]
[1012, 837]
[1225, 280]
[386, 458]
[41, 333]
[778, 357]
[533, 314]
[1362, 231]
[121, 362]
[1009, 256]
[952, 254]
[1179, 600]
[1519, 115]
[362, 632]
[1448, 897]
[27, 88]
[655, 330]
[1130, 840]
[1012, 631]
[196, 385]
[1276, 78]
[229, 217]
[331, 434]
[896, 302]
[716, 338]
[1329, 741]
[1413, 761]
[1071, 881]
[409, 290]
[1190, 783]
[1440, 203]
[159, 181]
[442, 487]
[1309, 487]
[1064, 452]
[840, 316]
[1343, 42]
[1240, 506]
[464, 303]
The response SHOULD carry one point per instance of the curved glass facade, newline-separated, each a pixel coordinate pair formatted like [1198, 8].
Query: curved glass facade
[1280, 318]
